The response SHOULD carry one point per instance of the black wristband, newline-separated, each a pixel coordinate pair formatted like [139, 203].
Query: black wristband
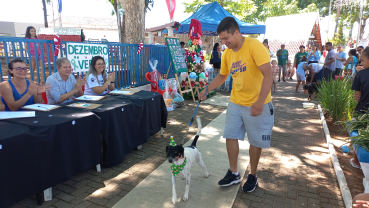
[112, 82]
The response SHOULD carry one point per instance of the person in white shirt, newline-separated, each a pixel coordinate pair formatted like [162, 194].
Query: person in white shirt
[98, 81]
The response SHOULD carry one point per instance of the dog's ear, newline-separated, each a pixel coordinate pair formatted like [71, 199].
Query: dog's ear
[181, 150]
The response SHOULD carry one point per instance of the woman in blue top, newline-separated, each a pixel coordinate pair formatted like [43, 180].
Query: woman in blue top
[351, 62]
[18, 91]
[314, 55]
[300, 72]
[216, 56]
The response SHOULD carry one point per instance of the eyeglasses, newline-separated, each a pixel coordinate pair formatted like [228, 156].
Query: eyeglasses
[20, 68]
[100, 64]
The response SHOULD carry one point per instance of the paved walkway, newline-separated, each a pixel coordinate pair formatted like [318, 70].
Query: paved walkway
[295, 172]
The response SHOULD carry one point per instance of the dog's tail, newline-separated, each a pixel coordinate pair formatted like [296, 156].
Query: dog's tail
[198, 120]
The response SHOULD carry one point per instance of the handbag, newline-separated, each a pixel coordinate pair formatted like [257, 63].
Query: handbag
[211, 59]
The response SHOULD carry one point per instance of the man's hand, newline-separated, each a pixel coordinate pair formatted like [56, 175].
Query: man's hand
[357, 97]
[80, 82]
[256, 108]
[202, 96]
[361, 204]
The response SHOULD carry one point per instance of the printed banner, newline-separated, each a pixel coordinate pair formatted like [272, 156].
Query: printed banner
[80, 55]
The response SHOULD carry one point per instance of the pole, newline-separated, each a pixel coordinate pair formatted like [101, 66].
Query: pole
[329, 17]
[170, 6]
[60, 20]
[359, 25]
[52, 4]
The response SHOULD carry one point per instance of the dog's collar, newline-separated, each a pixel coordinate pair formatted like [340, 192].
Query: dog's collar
[177, 169]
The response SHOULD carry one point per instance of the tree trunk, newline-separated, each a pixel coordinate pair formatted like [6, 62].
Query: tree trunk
[362, 26]
[123, 34]
[337, 19]
[45, 13]
[134, 21]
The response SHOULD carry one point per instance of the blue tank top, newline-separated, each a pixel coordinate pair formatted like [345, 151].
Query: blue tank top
[18, 96]
[352, 64]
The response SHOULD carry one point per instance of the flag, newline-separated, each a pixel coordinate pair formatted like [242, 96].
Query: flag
[171, 7]
[60, 6]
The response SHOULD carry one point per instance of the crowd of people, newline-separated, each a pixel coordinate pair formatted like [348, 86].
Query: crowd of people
[311, 63]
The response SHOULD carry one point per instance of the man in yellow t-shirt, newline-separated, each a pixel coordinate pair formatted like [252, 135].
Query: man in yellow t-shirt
[250, 108]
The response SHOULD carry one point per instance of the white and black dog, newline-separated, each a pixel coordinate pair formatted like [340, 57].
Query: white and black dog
[182, 160]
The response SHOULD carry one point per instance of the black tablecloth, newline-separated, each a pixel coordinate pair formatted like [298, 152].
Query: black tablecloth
[129, 121]
[41, 152]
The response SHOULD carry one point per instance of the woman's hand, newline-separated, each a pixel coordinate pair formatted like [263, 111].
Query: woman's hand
[111, 77]
[43, 88]
[32, 89]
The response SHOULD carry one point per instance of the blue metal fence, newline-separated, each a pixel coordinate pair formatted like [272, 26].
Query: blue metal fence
[130, 67]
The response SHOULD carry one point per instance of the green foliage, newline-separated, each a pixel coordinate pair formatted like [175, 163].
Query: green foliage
[336, 97]
[339, 38]
[253, 11]
[361, 140]
[253, 35]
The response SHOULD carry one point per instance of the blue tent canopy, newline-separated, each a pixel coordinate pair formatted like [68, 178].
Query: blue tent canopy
[210, 16]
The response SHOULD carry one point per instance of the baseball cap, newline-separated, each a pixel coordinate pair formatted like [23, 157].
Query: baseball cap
[302, 46]
[283, 44]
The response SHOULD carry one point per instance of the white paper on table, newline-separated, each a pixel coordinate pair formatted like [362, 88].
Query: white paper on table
[120, 92]
[17, 114]
[43, 107]
[90, 97]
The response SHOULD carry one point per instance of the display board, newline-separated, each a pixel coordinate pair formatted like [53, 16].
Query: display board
[80, 55]
[176, 55]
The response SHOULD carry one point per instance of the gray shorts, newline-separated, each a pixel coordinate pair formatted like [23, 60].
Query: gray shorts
[259, 128]
[284, 68]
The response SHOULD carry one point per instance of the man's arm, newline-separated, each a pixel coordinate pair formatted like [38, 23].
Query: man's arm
[331, 60]
[217, 81]
[67, 95]
[279, 53]
[257, 107]
[294, 62]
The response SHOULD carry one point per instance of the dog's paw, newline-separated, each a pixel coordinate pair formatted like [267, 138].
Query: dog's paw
[174, 199]
[207, 174]
[185, 197]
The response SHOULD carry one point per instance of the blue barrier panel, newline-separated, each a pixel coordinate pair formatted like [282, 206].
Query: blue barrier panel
[130, 67]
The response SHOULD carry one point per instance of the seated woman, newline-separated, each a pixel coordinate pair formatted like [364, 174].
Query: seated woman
[98, 81]
[18, 91]
[350, 64]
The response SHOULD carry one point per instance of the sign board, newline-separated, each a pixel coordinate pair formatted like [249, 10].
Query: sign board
[176, 55]
[80, 55]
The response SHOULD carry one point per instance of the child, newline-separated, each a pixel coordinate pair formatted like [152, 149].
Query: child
[290, 70]
[275, 71]
[300, 72]
[31, 34]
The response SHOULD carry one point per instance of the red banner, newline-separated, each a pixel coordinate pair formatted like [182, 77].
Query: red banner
[171, 7]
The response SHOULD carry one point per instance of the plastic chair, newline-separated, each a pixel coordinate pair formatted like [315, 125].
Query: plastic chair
[44, 98]
[155, 83]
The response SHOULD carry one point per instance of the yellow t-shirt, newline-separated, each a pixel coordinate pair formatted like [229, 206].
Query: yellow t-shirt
[243, 66]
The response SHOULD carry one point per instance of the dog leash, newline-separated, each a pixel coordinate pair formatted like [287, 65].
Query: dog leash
[193, 116]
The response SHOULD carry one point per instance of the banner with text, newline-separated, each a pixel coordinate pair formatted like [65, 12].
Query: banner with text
[80, 55]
